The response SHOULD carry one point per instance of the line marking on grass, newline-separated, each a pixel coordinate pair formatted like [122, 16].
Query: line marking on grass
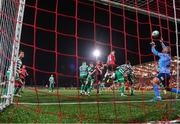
[83, 103]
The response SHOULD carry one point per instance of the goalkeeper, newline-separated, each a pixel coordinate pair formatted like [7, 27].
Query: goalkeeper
[83, 72]
[90, 79]
[164, 71]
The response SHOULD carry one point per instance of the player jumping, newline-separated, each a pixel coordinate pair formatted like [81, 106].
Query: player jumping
[110, 67]
[164, 70]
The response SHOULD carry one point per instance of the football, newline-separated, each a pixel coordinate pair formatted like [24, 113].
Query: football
[155, 33]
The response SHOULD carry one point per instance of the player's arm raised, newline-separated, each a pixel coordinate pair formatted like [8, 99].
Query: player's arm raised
[154, 51]
[162, 44]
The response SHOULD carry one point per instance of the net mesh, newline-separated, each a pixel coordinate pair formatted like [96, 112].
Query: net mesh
[7, 26]
[58, 35]
[10, 26]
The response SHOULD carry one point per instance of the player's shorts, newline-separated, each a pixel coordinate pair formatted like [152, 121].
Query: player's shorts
[99, 77]
[130, 80]
[51, 85]
[90, 79]
[164, 79]
[82, 78]
[21, 76]
[111, 67]
[119, 77]
[18, 84]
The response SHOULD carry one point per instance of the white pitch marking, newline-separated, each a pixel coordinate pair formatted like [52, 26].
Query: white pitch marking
[83, 103]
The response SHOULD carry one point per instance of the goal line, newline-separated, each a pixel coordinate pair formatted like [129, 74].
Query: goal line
[87, 103]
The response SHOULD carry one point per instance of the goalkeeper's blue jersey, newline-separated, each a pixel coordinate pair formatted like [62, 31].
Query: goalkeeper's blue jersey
[164, 61]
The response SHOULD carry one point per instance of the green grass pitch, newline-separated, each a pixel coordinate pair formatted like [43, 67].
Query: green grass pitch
[66, 106]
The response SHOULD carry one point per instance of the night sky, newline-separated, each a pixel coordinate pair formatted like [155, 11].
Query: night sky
[51, 48]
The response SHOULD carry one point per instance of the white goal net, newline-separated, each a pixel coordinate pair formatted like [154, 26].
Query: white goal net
[11, 17]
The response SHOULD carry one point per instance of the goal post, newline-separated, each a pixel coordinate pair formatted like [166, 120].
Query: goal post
[12, 12]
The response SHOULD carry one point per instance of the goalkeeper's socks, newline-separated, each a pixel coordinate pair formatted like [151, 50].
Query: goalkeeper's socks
[174, 90]
[156, 90]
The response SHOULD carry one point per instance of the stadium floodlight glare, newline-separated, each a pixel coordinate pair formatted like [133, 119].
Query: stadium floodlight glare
[96, 53]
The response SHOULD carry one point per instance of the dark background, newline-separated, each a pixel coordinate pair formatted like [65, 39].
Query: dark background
[51, 45]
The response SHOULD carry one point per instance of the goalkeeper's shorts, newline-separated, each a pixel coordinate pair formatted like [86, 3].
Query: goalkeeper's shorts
[164, 78]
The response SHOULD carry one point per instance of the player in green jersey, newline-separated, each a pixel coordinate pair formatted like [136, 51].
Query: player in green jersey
[83, 72]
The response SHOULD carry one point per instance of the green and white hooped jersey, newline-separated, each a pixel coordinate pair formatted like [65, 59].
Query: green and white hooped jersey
[122, 69]
[83, 70]
[125, 68]
[90, 69]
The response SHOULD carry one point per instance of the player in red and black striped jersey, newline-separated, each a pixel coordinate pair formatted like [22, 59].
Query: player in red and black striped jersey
[111, 61]
[22, 75]
[110, 66]
[98, 71]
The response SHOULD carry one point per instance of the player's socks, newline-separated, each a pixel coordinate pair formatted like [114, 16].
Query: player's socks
[122, 88]
[162, 86]
[82, 88]
[156, 90]
[86, 89]
[174, 90]
[102, 86]
[5, 91]
[90, 88]
[131, 91]
[16, 90]
[50, 89]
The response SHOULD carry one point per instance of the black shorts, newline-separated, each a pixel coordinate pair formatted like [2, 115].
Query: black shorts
[164, 79]
[99, 77]
[130, 80]
[111, 67]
